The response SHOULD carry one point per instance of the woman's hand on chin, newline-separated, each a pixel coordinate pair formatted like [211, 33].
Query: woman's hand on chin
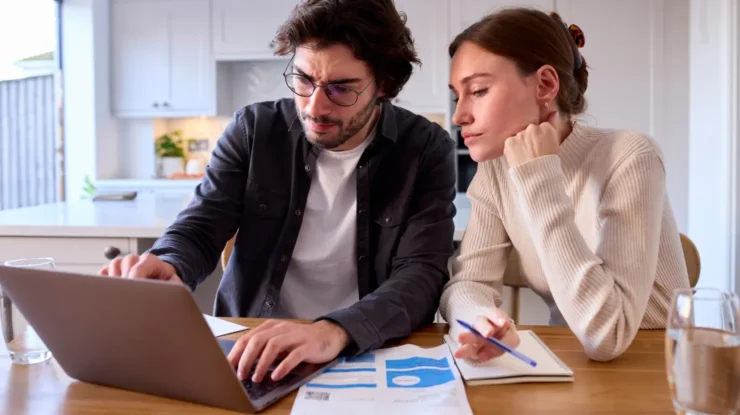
[535, 141]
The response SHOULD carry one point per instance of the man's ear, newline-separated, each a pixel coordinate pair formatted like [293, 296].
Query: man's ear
[381, 90]
[548, 83]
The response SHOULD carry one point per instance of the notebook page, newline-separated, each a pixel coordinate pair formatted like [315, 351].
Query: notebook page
[508, 365]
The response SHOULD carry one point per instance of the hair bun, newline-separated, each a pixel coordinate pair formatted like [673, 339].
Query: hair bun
[577, 35]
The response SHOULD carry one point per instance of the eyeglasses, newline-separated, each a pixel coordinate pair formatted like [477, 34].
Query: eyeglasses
[339, 94]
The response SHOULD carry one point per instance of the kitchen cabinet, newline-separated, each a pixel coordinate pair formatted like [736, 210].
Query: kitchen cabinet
[161, 62]
[70, 254]
[464, 13]
[626, 67]
[245, 29]
[426, 90]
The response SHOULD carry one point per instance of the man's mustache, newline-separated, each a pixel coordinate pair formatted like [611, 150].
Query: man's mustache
[321, 120]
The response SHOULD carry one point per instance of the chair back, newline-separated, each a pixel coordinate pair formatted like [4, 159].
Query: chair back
[226, 254]
[693, 261]
[513, 277]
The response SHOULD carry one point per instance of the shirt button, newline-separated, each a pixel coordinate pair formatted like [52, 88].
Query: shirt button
[362, 258]
[263, 207]
[307, 167]
[362, 165]
[298, 212]
[283, 258]
[387, 219]
[269, 304]
[361, 211]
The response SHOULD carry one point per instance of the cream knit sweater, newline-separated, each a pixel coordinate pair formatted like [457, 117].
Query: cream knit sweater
[595, 233]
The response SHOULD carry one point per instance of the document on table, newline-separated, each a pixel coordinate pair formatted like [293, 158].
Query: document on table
[221, 327]
[400, 380]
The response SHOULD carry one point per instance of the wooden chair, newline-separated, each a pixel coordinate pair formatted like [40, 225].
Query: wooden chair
[513, 278]
[226, 253]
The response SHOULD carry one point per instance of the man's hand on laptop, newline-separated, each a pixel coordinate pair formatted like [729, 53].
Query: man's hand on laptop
[146, 266]
[317, 342]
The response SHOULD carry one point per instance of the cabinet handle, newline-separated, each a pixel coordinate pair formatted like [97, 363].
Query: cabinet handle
[166, 104]
[111, 252]
[155, 105]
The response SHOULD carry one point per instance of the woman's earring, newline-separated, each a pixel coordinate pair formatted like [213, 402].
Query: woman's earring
[546, 104]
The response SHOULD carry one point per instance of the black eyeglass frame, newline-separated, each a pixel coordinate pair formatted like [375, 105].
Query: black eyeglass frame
[316, 86]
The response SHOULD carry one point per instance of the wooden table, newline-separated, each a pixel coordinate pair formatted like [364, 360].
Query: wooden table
[633, 384]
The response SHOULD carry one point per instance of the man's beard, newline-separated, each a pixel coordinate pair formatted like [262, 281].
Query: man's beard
[345, 132]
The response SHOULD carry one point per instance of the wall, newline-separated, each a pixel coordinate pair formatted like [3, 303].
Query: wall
[86, 95]
[712, 161]
[674, 139]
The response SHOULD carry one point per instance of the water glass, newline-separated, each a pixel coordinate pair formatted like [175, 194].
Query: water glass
[703, 352]
[24, 345]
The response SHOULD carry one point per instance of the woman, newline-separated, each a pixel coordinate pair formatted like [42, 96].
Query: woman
[585, 208]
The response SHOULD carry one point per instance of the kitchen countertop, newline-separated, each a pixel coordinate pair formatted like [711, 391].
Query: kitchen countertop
[145, 217]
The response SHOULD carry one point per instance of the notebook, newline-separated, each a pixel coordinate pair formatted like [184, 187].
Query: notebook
[509, 369]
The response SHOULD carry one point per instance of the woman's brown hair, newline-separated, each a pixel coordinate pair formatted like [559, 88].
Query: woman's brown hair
[373, 29]
[532, 38]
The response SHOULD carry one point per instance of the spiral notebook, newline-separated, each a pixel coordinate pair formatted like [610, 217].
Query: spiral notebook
[509, 369]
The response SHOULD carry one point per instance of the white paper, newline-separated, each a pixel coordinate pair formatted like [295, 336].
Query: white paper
[400, 380]
[221, 327]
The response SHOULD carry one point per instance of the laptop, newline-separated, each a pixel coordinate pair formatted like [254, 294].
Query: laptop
[146, 336]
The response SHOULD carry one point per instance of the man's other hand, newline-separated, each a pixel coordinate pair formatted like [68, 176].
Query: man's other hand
[146, 266]
[318, 342]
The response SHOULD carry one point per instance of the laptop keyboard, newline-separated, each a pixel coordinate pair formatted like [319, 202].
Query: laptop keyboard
[258, 390]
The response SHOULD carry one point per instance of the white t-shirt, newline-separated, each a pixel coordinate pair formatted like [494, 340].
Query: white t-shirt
[322, 274]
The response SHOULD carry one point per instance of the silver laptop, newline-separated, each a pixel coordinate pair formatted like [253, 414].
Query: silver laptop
[142, 335]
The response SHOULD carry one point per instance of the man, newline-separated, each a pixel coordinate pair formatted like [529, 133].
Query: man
[343, 203]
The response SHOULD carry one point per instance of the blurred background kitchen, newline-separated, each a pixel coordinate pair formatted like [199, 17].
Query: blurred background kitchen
[120, 96]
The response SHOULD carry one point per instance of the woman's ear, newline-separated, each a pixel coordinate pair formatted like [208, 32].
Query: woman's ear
[548, 83]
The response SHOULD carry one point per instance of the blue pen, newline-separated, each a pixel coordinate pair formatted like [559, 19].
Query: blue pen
[498, 343]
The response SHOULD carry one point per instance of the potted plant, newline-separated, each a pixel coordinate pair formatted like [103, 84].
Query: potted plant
[170, 154]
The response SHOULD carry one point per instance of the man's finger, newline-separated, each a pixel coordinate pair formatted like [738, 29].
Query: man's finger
[290, 362]
[114, 268]
[253, 350]
[272, 349]
[141, 270]
[236, 352]
[127, 263]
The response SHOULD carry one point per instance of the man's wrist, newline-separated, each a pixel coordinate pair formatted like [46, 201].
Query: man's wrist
[338, 333]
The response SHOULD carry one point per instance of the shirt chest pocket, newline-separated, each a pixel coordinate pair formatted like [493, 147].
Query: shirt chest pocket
[389, 218]
[265, 203]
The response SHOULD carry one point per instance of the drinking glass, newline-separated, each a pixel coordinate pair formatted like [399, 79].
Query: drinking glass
[24, 345]
[703, 352]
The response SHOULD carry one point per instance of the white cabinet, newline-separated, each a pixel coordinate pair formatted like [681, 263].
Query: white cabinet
[245, 29]
[625, 82]
[464, 13]
[70, 254]
[426, 90]
[161, 64]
